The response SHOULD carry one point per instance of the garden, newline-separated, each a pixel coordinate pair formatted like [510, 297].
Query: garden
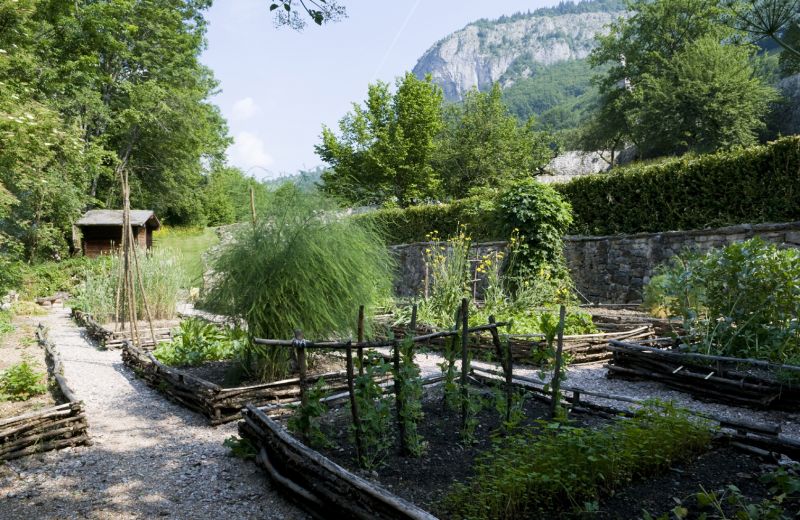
[358, 402]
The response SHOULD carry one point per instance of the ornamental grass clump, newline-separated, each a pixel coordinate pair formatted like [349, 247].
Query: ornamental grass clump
[303, 266]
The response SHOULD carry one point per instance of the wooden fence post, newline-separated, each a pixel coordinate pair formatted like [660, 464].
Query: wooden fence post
[354, 404]
[556, 382]
[299, 344]
[506, 362]
[360, 338]
[464, 361]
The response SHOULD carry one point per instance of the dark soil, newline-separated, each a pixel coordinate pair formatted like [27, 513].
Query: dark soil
[425, 481]
[229, 374]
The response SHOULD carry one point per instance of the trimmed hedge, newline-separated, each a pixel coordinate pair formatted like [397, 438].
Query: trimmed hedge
[752, 185]
[412, 224]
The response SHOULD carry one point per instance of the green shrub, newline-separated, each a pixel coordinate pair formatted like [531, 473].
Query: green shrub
[5, 323]
[757, 184]
[20, 382]
[555, 467]
[742, 300]
[302, 267]
[541, 217]
[198, 341]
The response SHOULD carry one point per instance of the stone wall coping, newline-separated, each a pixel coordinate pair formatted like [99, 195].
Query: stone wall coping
[728, 230]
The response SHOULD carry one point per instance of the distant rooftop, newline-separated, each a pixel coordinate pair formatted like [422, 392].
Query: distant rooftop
[113, 217]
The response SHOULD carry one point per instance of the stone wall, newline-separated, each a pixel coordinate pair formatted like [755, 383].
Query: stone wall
[610, 269]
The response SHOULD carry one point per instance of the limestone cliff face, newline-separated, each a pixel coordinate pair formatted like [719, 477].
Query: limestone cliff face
[485, 52]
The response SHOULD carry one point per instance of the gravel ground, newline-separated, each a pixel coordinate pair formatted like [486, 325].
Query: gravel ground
[150, 458]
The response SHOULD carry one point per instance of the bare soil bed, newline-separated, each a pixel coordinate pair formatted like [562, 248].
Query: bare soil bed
[15, 347]
[426, 480]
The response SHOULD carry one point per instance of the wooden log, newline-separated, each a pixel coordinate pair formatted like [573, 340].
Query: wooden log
[342, 493]
[47, 446]
[360, 339]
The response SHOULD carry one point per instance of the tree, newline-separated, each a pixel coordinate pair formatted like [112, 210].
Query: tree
[646, 95]
[706, 98]
[383, 154]
[320, 11]
[483, 144]
[767, 19]
[790, 62]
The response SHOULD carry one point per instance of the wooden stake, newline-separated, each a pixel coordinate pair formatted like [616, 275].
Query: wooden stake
[398, 401]
[506, 362]
[353, 404]
[360, 331]
[301, 362]
[556, 382]
[464, 361]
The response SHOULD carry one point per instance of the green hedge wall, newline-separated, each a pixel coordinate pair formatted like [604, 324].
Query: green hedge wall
[752, 185]
[403, 226]
[758, 184]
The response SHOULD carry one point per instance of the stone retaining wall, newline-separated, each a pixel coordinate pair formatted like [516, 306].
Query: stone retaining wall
[611, 269]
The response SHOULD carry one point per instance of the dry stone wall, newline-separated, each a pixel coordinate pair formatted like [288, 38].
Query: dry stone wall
[610, 269]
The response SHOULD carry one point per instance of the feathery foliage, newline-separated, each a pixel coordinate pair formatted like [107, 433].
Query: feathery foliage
[301, 267]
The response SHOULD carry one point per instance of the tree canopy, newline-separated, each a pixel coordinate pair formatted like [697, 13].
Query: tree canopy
[667, 88]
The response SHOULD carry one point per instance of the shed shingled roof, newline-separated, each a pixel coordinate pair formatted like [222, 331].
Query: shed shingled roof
[113, 217]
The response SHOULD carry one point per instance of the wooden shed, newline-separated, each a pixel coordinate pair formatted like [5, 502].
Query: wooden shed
[101, 230]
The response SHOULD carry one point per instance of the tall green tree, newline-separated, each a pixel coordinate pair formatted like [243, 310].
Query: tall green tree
[483, 144]
[384, 148]
[707, 97]
[646, 91]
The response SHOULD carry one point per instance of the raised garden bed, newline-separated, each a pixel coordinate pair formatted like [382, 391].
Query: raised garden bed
[327, 483]
[729, 380]
[49, 428]
[219, 403]
[583, 348]
[107, 337]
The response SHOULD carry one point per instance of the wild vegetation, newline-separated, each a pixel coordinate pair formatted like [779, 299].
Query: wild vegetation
[738, 301]
[20, 382]
[197, 341]
[162, 279]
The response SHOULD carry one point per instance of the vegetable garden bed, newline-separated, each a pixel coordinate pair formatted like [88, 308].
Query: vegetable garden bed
[220, 404]
[730, 380]
[108, 338]
[50, 428]
[328, 483]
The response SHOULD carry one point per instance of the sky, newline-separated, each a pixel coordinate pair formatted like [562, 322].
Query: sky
[279, 86]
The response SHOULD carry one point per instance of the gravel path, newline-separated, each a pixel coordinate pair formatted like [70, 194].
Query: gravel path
[150, 458]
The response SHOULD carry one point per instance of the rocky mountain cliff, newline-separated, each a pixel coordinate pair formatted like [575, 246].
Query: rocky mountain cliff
[514, 48]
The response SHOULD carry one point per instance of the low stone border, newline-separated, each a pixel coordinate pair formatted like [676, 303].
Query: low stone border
[49, 429]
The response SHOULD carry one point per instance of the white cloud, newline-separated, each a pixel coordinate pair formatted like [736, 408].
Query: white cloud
[245, 109]
[247, 151]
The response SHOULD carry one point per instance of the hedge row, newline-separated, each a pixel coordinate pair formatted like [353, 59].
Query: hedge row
[758, 184]
[412, 224]
[752, 185]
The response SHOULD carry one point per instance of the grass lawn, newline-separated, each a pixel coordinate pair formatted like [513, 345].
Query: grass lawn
[191, 243]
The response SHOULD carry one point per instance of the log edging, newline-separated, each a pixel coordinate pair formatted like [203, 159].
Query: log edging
[112, 340]
[718, 378]
[219, 404]
[318, 484]
[52, 428]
